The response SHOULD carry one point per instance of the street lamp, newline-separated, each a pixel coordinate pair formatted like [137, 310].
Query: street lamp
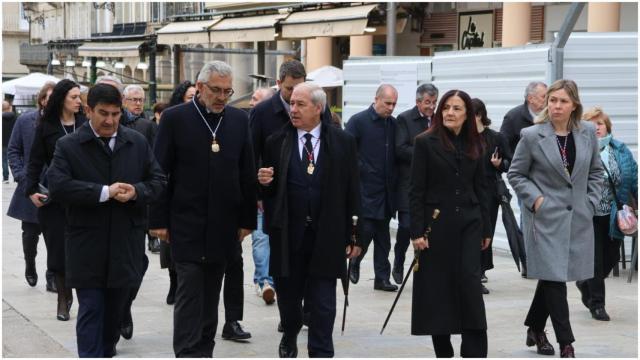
[86, 63]
[119, 65]
[142, 66]
[69, 63]
[55, 62]
[101, 63]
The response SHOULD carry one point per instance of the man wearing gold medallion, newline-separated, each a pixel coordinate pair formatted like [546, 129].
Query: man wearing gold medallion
[205, 149]
[310, 176]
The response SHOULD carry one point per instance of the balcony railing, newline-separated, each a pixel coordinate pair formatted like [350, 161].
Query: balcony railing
[34, 54]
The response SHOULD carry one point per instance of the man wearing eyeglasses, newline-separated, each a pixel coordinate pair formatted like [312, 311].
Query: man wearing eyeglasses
[409, 124]
[204, 147]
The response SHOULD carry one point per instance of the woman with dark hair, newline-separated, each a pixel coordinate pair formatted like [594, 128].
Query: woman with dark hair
[557, 173]
[496, 159]
[183, 93]
[447, 174]
[60, 116]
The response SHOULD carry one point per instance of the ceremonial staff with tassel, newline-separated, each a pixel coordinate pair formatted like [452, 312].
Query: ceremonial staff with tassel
[345, 279]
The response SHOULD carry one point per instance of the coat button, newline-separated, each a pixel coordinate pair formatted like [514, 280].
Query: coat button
[569, 208]
[457, 209]
[457, 173]
[569, 186]
[457, 191]
[204, 258]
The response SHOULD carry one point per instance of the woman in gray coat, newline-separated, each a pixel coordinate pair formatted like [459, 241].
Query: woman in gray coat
[557, 174]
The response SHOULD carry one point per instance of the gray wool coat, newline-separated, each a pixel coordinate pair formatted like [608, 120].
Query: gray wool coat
[559, 236]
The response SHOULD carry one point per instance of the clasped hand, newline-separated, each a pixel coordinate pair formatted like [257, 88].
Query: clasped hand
[122, 192]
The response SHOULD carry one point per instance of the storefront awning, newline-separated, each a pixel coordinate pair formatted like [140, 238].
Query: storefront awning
[110, 49]
[344, 21]
[241, 29]
[186, 32]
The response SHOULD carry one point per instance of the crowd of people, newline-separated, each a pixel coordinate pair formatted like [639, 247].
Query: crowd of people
[96, 177]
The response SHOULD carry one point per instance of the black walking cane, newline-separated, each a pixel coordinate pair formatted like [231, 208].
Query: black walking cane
[345, 280]
[413, 268]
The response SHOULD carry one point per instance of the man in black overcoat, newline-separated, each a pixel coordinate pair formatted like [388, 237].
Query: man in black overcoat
[204, 146]
[105, 175]
[374, 130]
[408, 125]
[310, 174]
[522, 115]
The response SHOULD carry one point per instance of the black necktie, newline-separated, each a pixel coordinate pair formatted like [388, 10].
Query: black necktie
[106, 140]
[308, 154]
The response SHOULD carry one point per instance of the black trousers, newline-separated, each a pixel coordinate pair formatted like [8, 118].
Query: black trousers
[195, 314]
[233, 290]
[30, 236]
[550, 300]
[607, 255]
[133, 293]
[319, 295]
[474, 344]
[98, 325]
[52, 220]
[402, 239]
[378, 231]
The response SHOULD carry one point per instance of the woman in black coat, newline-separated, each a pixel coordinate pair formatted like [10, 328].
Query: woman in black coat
[448, 174]
[496, 158]
[61, 116]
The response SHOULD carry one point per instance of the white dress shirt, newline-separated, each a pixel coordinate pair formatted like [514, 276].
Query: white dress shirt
[104, 194]
[315, 133]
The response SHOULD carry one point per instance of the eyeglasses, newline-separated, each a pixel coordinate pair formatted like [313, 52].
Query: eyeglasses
[218, 91]
[136, 100]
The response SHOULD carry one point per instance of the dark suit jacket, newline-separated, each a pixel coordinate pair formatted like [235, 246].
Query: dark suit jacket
[340, 200]
[375, 138]
[44, 143]
[514, 121]
[104, 242]
[210, 195]
[408, 125]
[141, 124]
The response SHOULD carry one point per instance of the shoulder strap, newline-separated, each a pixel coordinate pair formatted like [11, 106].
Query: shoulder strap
[613, 188]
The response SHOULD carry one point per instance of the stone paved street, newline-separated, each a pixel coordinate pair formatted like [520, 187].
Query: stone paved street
[30, 328]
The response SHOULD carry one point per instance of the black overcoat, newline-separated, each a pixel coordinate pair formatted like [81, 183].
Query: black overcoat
[376, 162]
[104, 243]
[408, 125]
[514, 121]
[209, 195]
[447, 295]
[340, 200]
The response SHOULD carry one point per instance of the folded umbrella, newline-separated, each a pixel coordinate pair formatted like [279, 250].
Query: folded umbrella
[514, 234]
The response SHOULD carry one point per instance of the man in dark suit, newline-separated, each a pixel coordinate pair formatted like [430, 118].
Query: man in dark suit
[519, 118]
[522, 115]
[409, 124]
[310, 172]
[105, 174]
[204, 146]
[374, 130]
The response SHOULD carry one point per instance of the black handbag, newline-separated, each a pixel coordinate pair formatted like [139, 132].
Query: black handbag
[44, 191]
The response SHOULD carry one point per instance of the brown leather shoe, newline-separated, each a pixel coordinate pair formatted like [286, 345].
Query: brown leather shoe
[539, 339]
[567, 352]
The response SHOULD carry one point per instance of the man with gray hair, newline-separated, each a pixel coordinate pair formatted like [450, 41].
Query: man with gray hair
[522, 115]
[260, 95]
[310, 175]
[374, 130]
[204, 147]
[409, 124]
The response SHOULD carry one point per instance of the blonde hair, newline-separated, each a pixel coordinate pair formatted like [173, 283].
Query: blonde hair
[570, 87]
[596, 113]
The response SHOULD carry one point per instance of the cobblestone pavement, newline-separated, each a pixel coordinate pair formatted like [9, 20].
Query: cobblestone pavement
[30, 328]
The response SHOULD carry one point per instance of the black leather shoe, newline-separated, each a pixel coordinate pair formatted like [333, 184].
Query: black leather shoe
[233, 331]
[287, 348]
[30, 273]
[584, 292]
[539, 339]
[567, 352]
[306, 319]
[154, 245]
[483, 278]
[485, 291]
[280, 329]
[51, 284]
[600, 314]
[398, 274]
[384, 285]
[109, 353]
[126, 327]
[354, 272]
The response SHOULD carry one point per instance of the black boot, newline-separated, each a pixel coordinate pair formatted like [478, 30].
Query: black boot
[51, 283]
[398, 270]
[30, 273]
[173, 283]
[63, 304]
